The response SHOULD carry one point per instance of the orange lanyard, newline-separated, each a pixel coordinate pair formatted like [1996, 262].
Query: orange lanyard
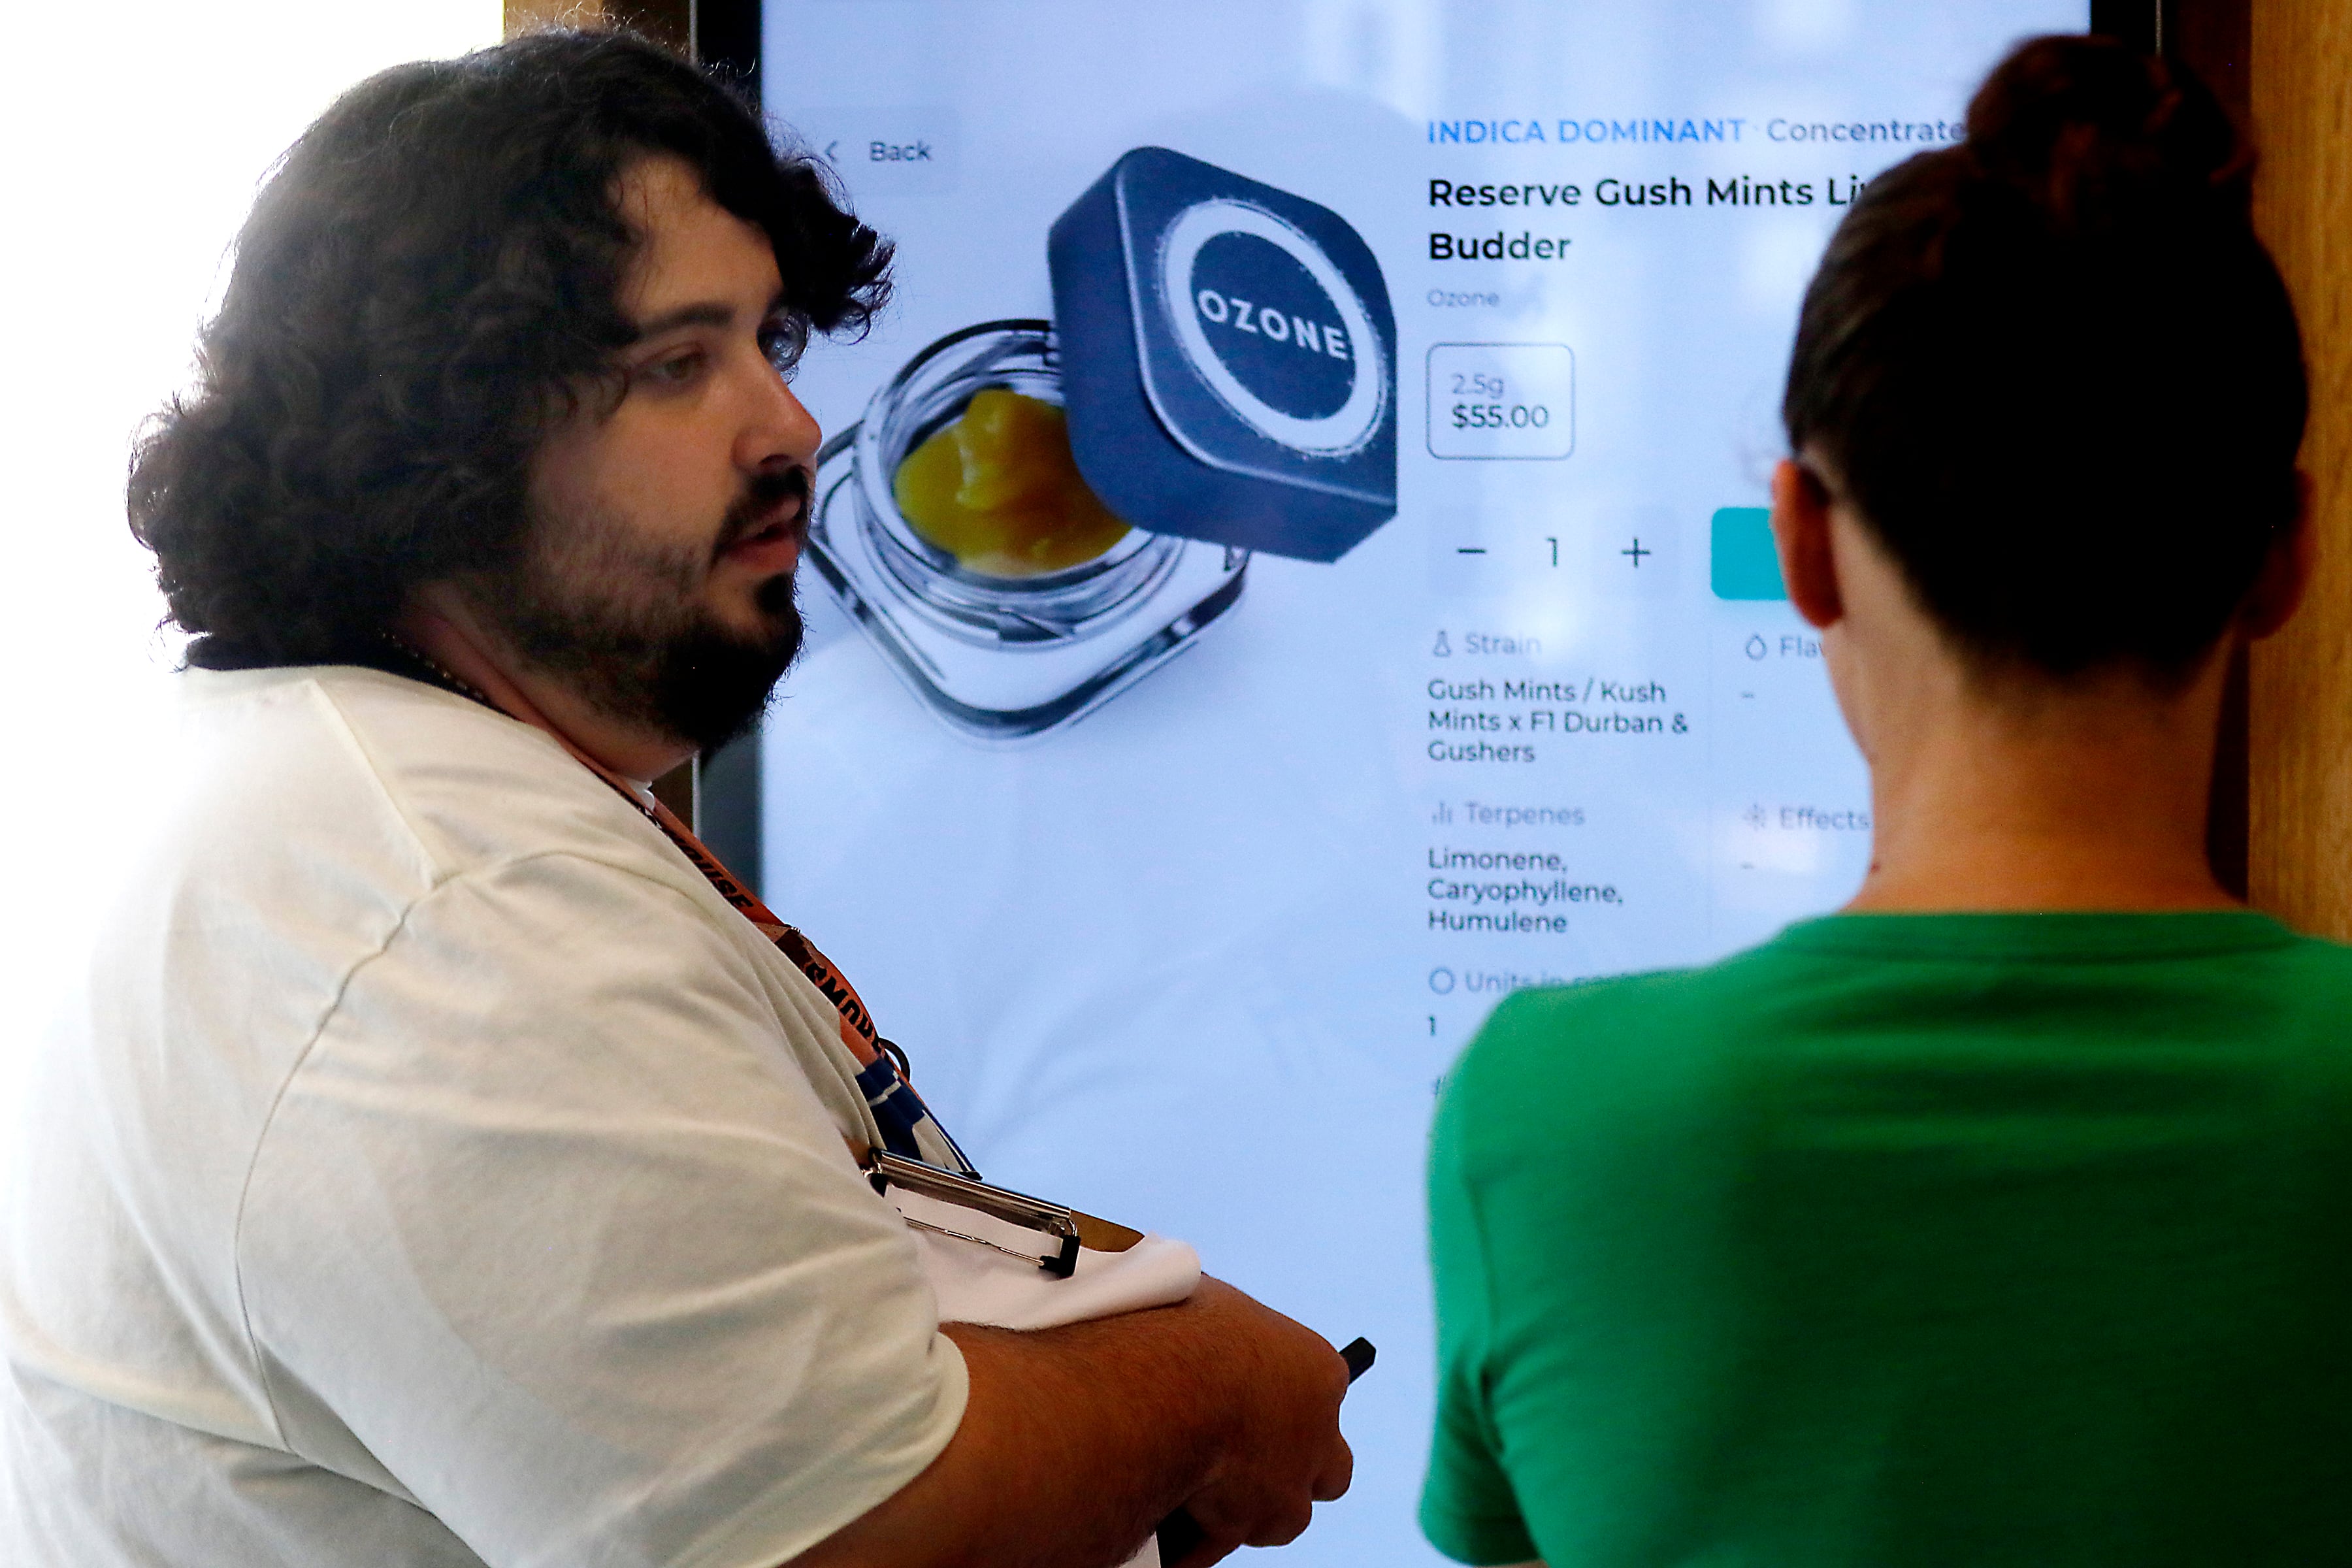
[882, 1077]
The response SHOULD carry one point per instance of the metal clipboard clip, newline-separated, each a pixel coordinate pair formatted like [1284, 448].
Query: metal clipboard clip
[1068, 1229]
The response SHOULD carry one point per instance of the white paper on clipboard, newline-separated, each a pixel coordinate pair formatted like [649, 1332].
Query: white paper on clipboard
[975, 1283]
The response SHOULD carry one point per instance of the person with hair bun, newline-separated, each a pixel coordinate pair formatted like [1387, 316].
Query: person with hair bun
[2000, 1218]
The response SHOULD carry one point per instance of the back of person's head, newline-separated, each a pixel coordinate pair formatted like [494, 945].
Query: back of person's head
[428, 279]
[2056, 375]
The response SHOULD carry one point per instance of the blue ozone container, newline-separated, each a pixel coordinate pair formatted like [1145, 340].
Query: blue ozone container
[1228, 359]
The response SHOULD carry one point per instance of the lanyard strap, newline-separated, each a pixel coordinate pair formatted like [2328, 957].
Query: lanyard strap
[899, 1111]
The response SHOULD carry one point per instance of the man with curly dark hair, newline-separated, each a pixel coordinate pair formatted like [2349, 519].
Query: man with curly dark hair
[444, 1161]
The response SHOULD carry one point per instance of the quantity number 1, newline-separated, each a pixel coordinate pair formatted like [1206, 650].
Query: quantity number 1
[1502, 401]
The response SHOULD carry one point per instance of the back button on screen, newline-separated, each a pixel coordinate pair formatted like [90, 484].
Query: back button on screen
[903, 152]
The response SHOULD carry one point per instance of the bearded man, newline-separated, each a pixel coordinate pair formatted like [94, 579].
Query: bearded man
[443, 1161]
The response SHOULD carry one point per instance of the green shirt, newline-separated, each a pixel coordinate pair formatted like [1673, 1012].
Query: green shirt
[1983, 1239]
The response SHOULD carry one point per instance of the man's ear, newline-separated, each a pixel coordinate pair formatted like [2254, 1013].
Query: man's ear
[1801, 535]
[2286, 572]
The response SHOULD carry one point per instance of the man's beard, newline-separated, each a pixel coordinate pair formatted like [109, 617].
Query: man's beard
[617, 617]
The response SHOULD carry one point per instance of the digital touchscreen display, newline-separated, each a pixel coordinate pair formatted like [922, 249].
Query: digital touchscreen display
[1290, 567]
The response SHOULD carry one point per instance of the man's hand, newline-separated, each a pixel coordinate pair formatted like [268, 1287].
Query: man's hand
[1286, 1454]
[1077, 1441]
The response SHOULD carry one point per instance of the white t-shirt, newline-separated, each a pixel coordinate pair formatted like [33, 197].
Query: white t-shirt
[433, 1170]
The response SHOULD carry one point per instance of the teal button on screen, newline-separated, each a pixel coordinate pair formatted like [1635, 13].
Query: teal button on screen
[1740, 561]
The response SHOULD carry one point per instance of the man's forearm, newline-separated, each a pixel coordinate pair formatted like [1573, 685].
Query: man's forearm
[1105, 1430]
[1076, 1441]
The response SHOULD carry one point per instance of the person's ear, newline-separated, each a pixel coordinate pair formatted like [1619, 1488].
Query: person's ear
[2279, 588]
[1801, 535]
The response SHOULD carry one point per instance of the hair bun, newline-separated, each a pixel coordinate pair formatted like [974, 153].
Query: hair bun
[2102, 137]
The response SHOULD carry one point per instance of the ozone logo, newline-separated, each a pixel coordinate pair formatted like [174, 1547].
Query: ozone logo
[1305, 340]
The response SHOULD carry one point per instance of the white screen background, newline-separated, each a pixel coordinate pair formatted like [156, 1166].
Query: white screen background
[1174, 963]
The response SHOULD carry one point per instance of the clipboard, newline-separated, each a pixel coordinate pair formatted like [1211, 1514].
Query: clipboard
[1065, 1230]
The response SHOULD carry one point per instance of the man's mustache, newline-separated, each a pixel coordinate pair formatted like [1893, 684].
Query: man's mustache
[762, 498]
